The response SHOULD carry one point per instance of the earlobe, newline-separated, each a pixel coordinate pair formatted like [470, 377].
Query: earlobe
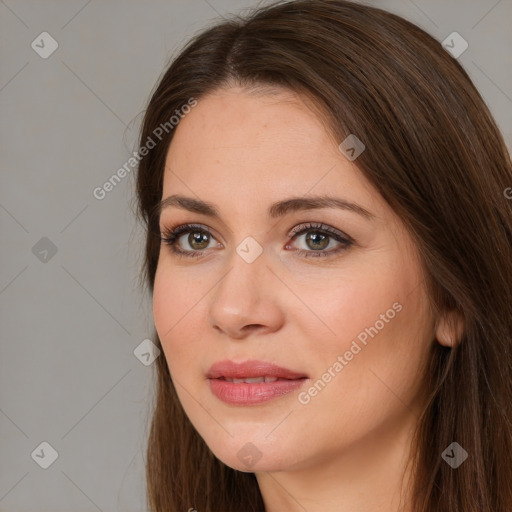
[449, 328]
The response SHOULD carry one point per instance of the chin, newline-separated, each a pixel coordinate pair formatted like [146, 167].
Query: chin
[259, 462]
[252, 451]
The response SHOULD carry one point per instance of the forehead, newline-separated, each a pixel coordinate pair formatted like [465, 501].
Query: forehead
[256, 148]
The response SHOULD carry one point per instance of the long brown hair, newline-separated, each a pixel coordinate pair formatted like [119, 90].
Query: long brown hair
[435, 154]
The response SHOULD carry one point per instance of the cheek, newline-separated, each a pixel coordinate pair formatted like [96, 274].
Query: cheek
[174, 313]
[382, 331]
[376, 315]
[350, 301]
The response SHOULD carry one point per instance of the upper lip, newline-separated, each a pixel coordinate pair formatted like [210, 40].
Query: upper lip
[249, 369]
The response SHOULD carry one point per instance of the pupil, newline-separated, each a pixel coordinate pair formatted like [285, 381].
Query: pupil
[322, 238]
[195, 238]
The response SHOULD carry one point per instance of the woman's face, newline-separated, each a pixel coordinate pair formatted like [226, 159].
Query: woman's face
[351, 319]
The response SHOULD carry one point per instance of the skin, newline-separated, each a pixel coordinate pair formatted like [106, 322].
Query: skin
[346, 449]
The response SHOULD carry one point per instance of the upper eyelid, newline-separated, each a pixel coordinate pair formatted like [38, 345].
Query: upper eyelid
[319, 226]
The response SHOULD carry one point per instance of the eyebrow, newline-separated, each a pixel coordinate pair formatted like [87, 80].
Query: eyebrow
[276, 210]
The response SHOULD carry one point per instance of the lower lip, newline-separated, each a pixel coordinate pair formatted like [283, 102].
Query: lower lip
[248, 394]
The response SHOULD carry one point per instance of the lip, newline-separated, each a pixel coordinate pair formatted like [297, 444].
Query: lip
[244, 393]
[249, 369]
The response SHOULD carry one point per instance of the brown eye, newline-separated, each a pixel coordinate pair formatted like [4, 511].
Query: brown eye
[317, 241]
[198, 240]
[318, 238]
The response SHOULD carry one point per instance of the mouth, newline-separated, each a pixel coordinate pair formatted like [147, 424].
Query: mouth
[248, 370]
[252, 382]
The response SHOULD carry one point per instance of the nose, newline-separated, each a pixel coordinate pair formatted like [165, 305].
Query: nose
[247, 299]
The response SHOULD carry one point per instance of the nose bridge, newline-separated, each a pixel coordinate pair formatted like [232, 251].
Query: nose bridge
[241, 285]
[243, 295]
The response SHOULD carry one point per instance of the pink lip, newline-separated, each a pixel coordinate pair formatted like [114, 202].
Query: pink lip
[252, 393]
[250, 369]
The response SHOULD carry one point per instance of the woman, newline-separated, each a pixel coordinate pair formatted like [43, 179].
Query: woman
[329, 255]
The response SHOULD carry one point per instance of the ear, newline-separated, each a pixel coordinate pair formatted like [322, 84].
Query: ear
[449, 328]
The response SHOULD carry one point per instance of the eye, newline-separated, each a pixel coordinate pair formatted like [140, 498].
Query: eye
[318, 238]
[198, 239]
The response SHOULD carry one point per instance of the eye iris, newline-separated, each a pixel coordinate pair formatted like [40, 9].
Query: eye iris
[317, 237]
[199, 238]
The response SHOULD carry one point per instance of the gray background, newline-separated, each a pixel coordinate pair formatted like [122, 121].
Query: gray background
[70, 321]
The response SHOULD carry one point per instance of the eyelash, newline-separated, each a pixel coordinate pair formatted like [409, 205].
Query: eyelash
[172, 235]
